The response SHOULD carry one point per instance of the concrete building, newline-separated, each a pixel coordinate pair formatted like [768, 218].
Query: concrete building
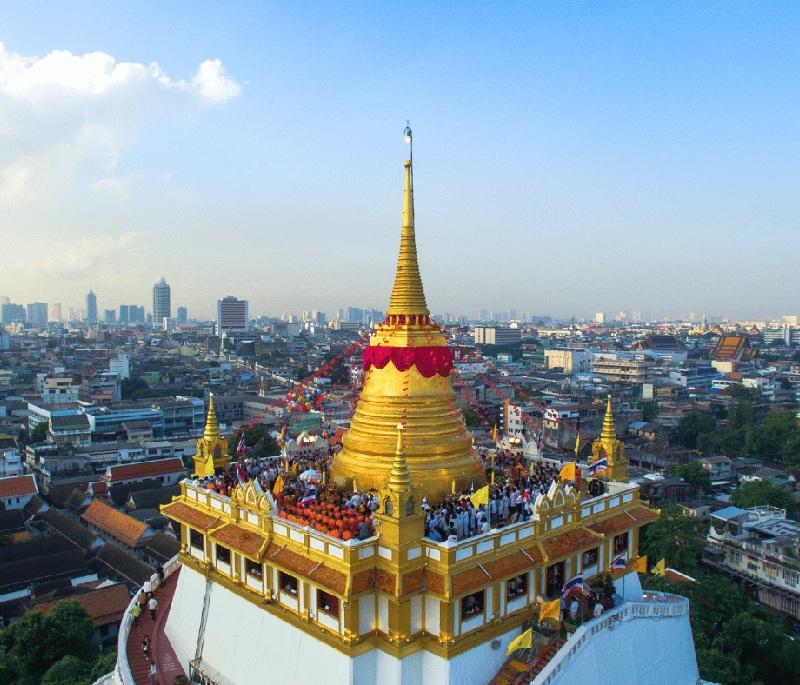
[569, 359]
[231, 315]
[496, 335]
[91, 307]
[623, 367]
[55, 312]
[37, 313]
[61, 389]
[17, 491]
[11, 313]
[182, 314]
[110, 316]
[162, 307]
[761, 547]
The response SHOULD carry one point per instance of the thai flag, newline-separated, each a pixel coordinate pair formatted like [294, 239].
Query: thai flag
[598, 467]
[308, 498]
[241, 474]
[619, 563]
[241, 448]
[575, 582]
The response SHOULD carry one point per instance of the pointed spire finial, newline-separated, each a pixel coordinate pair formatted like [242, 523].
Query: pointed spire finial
[212, 427]
[408, 296]
[609, 428]
[400, 476]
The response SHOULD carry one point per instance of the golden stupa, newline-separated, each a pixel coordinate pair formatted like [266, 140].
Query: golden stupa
[407, 381]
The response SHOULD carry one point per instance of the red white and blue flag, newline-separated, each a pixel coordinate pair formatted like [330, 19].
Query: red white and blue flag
[308, 498]
[241, 473]
[241, 448]
[598, 467]
[619, 563]
[574, 583]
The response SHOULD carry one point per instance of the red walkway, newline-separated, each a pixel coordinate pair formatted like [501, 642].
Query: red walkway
[160, 648]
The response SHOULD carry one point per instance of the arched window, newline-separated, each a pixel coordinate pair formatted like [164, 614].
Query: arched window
[410, 506]
[388, 506]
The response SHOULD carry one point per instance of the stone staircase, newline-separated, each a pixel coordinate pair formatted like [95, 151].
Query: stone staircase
[160, 647]
[521, 669]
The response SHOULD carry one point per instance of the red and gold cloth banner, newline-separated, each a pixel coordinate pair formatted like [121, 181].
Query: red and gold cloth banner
[428, 360]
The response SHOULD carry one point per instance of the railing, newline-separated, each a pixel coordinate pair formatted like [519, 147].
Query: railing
[652, 605]
[122, 672]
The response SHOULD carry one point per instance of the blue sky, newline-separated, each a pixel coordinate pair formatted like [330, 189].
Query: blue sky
[569, 157]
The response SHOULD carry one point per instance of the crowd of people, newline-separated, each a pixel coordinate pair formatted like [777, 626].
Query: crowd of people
[299, 487]
[509, 502]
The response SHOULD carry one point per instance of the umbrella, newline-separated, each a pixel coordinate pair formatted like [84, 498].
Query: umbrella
[310, 475]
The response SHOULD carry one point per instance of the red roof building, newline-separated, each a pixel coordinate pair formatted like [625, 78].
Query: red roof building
[16, 491]
[169, 471]
[116, 524]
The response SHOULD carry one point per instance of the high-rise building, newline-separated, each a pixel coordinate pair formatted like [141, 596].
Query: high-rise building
[182, 315]
[124, 314]
[110, 315]
[4, 299]
[55, 312]
[12, 313]
[137, 314]
[91, 307]
[162, 308]
[231, 315]
[37, 313]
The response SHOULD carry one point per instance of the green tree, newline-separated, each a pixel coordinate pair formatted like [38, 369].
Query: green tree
[693, 473]
[71, 632]
[103, 664]
[39, 432]
[649, 410]
[691, 425]
[132, 387]
[761, 492]
[256, 437]
[718, 667]
[67, 671]
[674, 537]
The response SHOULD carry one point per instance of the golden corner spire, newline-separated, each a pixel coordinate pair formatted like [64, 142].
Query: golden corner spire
[609, 428]
[400, 476]
[408, 297]
[212, 427]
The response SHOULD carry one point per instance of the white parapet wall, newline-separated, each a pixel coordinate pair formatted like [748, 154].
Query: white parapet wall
[243, 644]
[648, 641]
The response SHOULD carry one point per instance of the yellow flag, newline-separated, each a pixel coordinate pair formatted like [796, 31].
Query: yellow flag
[480, 497]
[640, 565]
[295, 467]
[524, 641]
[567, 472]
[550, 610]
[494, 433]
[660, 568]
[577, 444]
[277, 489]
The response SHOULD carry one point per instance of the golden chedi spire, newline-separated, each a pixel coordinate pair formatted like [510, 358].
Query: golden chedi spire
[212, 448]
[610, 447]
[609, 433]
[407, 380]
[400, 476]
[212, 427]
[408, 296]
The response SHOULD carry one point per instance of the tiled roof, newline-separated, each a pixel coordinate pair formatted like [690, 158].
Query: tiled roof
[18, 486]
[624, 521]
[68, 528]
[567, 543]
[319, 573]
[122, 565]
[22, 572]
[104, 605]
[146, 469]
[413, 581]
[470, 580]
[162, 547]
[124, 528]
[244, 541]
[189, 515]
[70, 422]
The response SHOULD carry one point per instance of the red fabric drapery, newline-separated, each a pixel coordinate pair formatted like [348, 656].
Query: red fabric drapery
[428, 360]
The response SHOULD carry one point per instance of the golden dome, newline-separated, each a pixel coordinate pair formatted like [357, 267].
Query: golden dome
[407, 381]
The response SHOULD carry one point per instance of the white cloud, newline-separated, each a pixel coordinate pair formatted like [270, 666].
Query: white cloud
[213, 83]
[66, 119]
[96, 74]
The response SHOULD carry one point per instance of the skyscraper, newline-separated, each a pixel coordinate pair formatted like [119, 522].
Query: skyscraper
[110, 315]
[162, 309]
[55, 312]
[182, 314]
[231, 315]
[37, 313]
[91, 307]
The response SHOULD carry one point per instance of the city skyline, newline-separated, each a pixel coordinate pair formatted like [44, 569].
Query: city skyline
[542, 174]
